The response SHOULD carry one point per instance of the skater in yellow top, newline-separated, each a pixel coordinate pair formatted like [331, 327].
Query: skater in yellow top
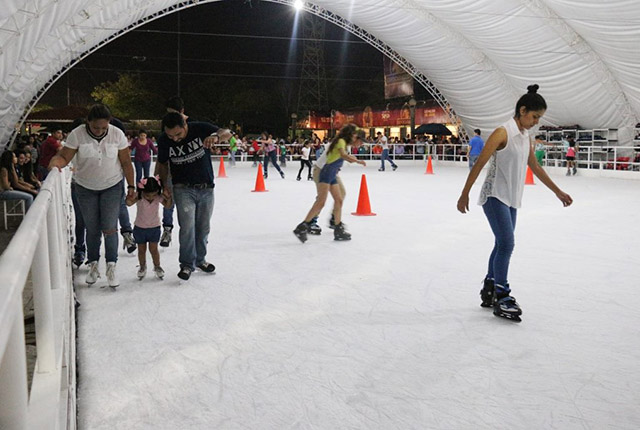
[336, 154]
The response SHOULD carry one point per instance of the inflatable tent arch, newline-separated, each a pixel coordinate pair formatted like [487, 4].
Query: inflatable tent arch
[474, 56]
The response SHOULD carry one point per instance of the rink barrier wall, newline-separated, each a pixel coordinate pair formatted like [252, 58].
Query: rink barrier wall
[620, 162]
[42, 246]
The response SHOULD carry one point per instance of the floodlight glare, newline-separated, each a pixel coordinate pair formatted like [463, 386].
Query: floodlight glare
[298, 4]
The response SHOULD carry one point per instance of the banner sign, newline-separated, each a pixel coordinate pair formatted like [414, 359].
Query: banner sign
[397, 82]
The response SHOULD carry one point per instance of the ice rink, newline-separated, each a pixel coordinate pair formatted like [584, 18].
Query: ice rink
[384, 331]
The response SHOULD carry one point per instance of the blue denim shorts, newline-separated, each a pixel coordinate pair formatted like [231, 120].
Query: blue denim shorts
[329, 172]
[146, 235]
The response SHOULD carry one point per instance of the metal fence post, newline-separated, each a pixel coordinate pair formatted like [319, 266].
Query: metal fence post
[43, 306]
[13, 378]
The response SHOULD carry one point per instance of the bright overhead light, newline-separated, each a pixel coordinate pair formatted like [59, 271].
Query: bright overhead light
[298, 4]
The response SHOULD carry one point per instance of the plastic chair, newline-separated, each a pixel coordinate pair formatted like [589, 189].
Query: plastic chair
[12, 208]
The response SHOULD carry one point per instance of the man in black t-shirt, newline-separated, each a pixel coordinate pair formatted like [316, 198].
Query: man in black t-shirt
[184, 149]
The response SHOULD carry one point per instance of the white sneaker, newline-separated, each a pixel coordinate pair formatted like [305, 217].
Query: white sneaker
[159, 272]
[142, 271]
[112, 279]
[93, 274]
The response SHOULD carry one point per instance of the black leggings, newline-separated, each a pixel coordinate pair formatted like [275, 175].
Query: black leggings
[302, 164]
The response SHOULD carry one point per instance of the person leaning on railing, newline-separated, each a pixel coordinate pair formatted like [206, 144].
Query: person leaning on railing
[7, 171]
[102, 162]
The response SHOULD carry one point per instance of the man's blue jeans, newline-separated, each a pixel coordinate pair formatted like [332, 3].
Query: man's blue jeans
[385, 156]
[472, 160]
[502, 220]
[194, 207]
[100, 213]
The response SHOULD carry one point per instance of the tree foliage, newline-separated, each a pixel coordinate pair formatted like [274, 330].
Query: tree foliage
[219, 101]
[129, 97]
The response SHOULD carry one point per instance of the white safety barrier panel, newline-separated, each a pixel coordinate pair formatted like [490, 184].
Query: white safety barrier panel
[41, 245]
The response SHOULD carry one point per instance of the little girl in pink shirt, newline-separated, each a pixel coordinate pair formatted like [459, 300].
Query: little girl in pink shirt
[147, 224]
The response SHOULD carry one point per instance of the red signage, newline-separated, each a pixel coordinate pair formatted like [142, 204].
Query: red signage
[369, 118]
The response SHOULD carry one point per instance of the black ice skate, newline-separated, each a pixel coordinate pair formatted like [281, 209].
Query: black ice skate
[486, 293]
[504, 305]
[340, 234]
[314, 229]
[332, 223]
[301, 231]
[78, 258]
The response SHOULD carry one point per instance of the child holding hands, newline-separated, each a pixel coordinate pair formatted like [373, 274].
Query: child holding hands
[147, 224]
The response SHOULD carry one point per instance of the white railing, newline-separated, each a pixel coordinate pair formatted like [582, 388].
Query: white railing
[589, 157]
[42, 245]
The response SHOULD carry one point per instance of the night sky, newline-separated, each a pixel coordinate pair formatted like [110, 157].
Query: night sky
[229, 40]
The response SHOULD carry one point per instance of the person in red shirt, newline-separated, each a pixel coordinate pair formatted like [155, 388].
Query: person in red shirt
[48, 150]
[256, 152]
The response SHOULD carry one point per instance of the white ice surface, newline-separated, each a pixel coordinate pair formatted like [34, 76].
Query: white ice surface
[383, 332]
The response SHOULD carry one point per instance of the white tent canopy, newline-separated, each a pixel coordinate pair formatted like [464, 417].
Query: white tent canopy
[479, 54]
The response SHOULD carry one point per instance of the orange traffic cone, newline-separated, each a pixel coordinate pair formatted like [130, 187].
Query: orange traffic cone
[221, 171]
[364, 207]
[429, 167]
[259, 181]
[529, 179]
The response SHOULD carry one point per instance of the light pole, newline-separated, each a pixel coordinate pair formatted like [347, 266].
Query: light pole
[294, 120]
[333, 112]
[412, 111]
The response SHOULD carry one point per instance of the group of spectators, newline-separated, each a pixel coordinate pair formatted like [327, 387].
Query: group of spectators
[285, 147]
[21, 168]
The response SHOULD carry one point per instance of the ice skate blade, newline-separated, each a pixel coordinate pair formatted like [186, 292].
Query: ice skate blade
[511, 317]
[486, 305]
[342, 239]
[302, 237]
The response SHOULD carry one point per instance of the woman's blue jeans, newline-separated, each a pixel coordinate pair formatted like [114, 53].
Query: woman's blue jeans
[273, 157]
[502, 220]
[100, 214]
[79, 246]
[17, 195]
[142, 169]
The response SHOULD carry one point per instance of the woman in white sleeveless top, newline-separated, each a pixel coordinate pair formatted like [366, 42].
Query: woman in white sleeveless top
[509, 152]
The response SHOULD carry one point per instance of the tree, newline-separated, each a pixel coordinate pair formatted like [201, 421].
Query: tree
[246, 103]
[129, 97]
